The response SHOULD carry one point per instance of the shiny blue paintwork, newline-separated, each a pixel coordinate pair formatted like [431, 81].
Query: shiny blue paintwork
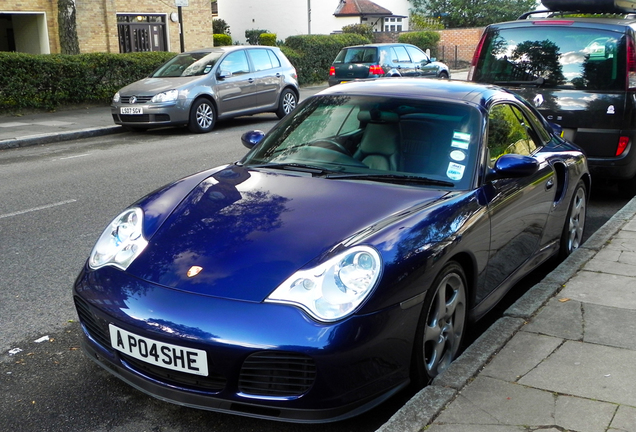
[251, 228]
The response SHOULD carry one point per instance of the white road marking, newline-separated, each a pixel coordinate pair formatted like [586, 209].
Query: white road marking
[73, 157]
[44, 207]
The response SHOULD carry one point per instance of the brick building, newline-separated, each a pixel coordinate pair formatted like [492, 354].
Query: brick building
[113, 26]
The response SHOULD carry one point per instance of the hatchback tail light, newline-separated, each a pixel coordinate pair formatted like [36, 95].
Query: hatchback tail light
[332, 71]
[631, 64]
[622, 145]
[376, 70]
[476, 56]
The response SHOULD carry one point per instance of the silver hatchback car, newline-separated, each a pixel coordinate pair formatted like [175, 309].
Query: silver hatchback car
[198, 88]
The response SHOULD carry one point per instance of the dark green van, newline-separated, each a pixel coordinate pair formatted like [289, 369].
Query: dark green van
[580, 73]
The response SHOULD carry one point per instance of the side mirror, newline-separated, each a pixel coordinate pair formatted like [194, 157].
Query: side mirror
[513, 166]
[222, 74]
[252, 138]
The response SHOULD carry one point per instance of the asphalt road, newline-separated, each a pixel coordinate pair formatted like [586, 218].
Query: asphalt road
[54, 202]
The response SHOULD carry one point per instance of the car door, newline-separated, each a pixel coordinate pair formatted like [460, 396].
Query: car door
[267, 76]
[519, 207]
[402, 61]
[234, 83]
[422, 62]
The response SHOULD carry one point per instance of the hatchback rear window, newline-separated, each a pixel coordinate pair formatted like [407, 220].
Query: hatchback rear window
[554, 56]
[357, 55]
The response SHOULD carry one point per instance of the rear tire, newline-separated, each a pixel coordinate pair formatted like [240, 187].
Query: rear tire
[440, 330]
[202, 116]
[287, 103]
[572, 235]
[443, 75]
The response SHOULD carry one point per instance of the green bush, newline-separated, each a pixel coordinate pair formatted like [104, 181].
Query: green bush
[219, 26]
[48, 81]
[422, 39]
[268, 39]
[365, 30]
[312, 55]
[253, 35]
[222, 39]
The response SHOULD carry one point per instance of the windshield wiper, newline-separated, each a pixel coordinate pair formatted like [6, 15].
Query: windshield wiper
[538, 82]
[392, 178]
[294, 166]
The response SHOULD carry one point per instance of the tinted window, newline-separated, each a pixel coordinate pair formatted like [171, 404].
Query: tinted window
[236, 63]
[508, 132]
[417, 56]
[563, 56]
[401, 55]
[356, 55]
[260, 59]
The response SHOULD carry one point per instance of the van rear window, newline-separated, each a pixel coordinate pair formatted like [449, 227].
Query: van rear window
[554, 56]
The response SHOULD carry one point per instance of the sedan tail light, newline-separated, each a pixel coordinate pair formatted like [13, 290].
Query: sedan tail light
[376, 70]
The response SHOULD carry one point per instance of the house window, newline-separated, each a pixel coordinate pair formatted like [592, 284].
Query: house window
[139, 33]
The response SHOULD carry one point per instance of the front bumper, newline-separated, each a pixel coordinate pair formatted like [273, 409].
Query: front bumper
[153, 115]
[306, 372]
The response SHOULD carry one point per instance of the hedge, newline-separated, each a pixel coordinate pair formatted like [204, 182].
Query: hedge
[312, 55]
[222, 39]
[47, 81]
[268, 39]
[422, 39]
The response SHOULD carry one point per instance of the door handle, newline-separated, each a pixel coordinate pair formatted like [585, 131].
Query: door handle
[251, 80]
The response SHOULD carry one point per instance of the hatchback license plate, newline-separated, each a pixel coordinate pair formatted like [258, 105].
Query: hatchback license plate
[169, 356]
[131, 110]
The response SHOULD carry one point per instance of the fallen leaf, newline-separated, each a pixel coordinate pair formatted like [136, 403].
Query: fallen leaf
[564, 299]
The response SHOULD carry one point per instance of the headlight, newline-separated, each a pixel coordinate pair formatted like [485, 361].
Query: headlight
[334, 289]
[169, 96]
[116, 98]
[121, 242]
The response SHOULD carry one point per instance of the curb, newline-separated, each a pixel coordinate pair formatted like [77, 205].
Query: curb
[429, 402]
[31, 140]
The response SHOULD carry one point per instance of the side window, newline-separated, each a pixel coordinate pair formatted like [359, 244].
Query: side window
[236, 63]
[507, 133]
[260, 59]
[416, 55]
[274, 59]
[402, 55]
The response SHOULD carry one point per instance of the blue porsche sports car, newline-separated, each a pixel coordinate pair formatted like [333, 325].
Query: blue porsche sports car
[341, 259]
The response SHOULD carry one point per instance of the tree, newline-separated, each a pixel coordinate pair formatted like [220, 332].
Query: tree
[67, 27]
[219, 26]
[472, 13]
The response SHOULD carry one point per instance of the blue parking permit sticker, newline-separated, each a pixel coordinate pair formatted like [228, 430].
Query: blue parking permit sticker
[455, 171]
[460, 140]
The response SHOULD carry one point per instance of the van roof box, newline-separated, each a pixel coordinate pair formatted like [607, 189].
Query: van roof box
[591, 6]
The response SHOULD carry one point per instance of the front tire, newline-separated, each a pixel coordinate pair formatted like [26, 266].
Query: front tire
[202, 116]
[287, 103]
[442, 323]
[572, 235]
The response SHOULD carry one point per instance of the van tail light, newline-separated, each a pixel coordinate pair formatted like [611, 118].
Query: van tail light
[376, 70]
[332, 71]
[631, 64]
[622, 145]
[473, 63]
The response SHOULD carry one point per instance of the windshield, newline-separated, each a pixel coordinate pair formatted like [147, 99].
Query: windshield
[398, 140]
[554, 56]
[188, 64]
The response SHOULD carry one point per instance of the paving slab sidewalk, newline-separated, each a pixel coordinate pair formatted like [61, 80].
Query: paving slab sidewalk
[563, 358]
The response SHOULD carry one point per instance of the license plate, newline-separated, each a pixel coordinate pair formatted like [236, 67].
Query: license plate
[131, 110]
[169, 356]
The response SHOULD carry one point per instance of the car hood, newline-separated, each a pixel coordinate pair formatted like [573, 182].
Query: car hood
[249, 230]
[152, 86]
